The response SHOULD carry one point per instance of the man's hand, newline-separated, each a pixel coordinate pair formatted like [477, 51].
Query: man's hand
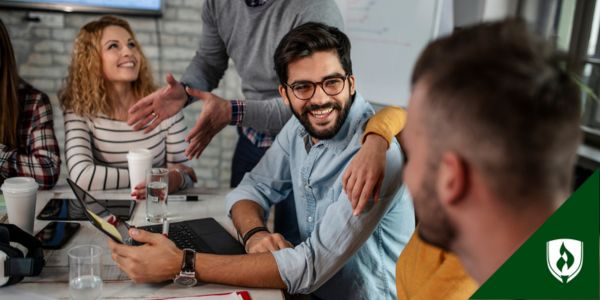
[158, 260]
[266, 242]
[364, 175]
[158, 106]
[215, 115]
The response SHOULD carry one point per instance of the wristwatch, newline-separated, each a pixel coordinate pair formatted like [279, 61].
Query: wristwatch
[187, 276]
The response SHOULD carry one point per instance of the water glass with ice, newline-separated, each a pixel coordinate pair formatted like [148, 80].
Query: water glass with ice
[85, 265]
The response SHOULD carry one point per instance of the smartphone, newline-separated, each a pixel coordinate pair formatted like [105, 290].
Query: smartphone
[56, 234]
[71, 209]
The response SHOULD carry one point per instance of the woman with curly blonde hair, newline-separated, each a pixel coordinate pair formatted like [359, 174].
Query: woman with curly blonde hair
[107, 75]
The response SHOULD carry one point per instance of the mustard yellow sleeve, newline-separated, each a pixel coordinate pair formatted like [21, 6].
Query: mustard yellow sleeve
[387, 123]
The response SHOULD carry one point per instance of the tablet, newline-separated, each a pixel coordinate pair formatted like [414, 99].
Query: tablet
[71, 209]
[111, 225]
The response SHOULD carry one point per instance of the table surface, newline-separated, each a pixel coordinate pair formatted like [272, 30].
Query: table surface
[53, 281]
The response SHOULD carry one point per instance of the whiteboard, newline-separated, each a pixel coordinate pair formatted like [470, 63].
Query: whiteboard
[387, 37]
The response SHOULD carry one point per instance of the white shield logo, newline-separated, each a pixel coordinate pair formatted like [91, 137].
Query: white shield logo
[564, 258]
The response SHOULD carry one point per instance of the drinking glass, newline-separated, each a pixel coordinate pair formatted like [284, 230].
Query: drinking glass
[157, 190]
[85, 265]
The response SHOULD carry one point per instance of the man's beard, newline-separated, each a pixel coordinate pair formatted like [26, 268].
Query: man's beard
[328, 133]
[434, 225]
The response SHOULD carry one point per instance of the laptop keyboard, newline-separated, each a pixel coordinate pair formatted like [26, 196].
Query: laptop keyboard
[183, 236]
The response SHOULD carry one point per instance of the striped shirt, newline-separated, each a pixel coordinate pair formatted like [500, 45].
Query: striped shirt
[96, 149]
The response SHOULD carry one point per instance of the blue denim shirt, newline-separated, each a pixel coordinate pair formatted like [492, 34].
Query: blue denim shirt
[342, 256]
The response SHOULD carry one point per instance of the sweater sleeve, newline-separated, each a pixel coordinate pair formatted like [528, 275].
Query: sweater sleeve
[80, 162]
[387, 123]
[211, 59]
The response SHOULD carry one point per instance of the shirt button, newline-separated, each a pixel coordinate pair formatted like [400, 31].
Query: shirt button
[307, 187]
[309, 219]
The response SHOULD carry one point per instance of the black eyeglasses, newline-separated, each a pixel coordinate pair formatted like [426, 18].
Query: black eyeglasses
[304, 90]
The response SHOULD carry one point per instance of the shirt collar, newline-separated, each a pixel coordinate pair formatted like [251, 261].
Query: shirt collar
[359, 112]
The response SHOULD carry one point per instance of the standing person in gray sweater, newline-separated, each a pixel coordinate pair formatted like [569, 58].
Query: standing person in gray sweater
[247, 31]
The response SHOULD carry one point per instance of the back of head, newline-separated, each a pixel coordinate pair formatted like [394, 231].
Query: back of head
[9, 81]
[306, 39]
[499, 97]
[85, 87]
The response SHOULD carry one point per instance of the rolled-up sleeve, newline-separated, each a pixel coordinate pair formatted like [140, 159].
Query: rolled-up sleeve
[337, 236]
[269, 182]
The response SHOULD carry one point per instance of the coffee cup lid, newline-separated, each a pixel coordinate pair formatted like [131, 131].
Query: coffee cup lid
[139, 154]
[19, 184]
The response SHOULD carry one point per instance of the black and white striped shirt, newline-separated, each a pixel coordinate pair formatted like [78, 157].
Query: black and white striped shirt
[96, 149]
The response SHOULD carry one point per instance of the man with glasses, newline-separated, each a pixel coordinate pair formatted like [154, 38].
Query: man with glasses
[342, 256]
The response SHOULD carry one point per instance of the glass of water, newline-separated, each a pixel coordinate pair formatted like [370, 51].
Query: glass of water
[85, 265]
[157, 189]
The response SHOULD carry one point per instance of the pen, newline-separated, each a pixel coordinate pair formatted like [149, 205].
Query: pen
[183, 198]
[165, 229]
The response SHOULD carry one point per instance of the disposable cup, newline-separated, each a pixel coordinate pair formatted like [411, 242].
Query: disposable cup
[20, 194]
[140, 161]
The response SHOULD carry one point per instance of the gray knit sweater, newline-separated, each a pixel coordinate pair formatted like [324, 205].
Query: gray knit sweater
[249, 36]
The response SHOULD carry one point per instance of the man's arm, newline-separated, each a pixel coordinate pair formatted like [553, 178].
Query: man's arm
[159, 260]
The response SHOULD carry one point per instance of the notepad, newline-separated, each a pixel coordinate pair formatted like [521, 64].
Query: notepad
[239, 295]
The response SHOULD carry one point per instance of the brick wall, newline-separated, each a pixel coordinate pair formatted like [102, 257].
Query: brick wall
[43, 51]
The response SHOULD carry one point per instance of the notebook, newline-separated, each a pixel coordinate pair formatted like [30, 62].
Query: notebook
[203, 235]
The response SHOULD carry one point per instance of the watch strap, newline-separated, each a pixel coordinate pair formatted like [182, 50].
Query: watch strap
[189, 261]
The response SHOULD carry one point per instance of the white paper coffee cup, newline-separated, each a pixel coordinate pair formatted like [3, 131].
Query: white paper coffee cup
[20, 195]
[140, 161]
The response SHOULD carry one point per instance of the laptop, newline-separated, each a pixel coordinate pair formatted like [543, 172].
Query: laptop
[203, 235]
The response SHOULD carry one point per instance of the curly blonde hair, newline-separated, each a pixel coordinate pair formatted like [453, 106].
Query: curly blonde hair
[85, 88]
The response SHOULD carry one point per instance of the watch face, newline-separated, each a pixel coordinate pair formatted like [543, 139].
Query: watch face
[186, 280]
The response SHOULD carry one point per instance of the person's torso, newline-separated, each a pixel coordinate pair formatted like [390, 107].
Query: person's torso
[251, 35]
[111, 140]
[316, 178]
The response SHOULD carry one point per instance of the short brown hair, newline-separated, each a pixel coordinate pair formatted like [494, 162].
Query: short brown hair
[497, 95]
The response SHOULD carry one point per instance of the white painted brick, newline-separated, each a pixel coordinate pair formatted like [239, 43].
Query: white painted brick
[47, 19]
[43, 85]
[168, 40]
[187, 14]
[180, 27]
[142, 24]
[62, 59]
[64, 34]
[188, 41]
[178, 53]
[173, 3]
[40, 59]
[49, 46]
[43, 72]
[193, 3]
[42, 32]
[151, 51]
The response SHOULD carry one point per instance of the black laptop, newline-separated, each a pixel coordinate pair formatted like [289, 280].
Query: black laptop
[203, 235]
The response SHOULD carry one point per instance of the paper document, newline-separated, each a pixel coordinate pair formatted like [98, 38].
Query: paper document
[239, 295]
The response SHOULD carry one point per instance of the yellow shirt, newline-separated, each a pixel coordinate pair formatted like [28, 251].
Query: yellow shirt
[427, 272]
[387, 123]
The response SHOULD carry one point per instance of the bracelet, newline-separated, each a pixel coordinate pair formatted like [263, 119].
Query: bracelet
[251, 232]
[182, 184]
